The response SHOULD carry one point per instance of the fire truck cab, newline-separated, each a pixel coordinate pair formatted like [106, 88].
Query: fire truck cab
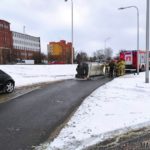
[130, 57]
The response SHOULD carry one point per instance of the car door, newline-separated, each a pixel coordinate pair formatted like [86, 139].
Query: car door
[2, 78]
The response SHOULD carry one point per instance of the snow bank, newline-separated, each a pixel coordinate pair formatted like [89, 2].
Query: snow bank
[112, 109]
[32, 74]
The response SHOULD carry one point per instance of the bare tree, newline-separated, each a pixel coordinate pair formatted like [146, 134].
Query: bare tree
[39, 57]
[99, 55]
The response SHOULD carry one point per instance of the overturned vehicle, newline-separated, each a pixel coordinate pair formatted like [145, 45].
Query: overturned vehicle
[85, 70]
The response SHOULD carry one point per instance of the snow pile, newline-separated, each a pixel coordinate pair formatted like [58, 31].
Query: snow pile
[114, 108]
[33, 74]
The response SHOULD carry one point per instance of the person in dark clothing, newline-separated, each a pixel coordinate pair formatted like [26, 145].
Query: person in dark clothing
[111, 68]
[79, 71]
[82, 70]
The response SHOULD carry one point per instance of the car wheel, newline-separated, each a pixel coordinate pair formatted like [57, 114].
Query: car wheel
[9, 87]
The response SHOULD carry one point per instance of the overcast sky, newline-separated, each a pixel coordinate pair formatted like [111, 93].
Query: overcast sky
[94, 22]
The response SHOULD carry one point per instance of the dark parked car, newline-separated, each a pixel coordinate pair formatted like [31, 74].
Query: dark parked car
[7, 83]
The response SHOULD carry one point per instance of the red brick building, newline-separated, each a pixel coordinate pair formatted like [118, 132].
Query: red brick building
[6, 43]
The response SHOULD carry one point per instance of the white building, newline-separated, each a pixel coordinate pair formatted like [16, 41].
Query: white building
[25, 45]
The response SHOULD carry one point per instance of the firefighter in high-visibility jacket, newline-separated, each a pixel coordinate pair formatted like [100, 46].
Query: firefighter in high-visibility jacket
[118, 68]
[121, 67]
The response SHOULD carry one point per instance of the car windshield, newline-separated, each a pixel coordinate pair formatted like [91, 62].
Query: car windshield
[1, 72]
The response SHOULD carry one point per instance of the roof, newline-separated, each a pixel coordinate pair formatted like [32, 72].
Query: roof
[4, 21]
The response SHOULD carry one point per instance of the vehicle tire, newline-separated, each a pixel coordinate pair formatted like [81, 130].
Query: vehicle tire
[142, 69]
[9, 87]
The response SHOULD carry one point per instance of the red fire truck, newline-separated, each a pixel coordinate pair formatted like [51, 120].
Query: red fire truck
[130, 57]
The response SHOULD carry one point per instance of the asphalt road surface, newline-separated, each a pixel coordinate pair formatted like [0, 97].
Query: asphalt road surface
[30, 119]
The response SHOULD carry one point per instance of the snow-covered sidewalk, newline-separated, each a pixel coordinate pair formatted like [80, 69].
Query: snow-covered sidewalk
[114, 108]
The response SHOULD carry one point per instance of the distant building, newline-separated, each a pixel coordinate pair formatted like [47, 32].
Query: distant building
[5, 42]
[17, 46]
[60, 52]
[25, 46]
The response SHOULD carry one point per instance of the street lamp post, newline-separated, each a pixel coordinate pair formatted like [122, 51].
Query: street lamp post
[71, 30]
[105, 42]
[147, 44]
[137, 33]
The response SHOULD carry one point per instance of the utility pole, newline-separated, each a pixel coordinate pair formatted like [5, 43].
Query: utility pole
[24, 29]
[72, 39]
[147, 43]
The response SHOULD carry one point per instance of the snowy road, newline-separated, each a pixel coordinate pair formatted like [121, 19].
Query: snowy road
[28, 120]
